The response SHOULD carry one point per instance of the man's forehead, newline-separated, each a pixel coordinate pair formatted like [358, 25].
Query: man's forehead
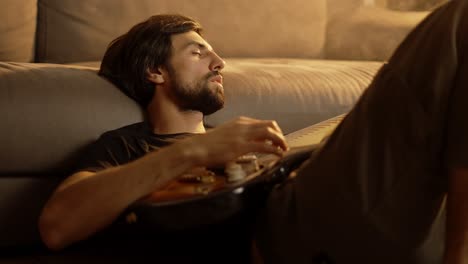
[184, 40]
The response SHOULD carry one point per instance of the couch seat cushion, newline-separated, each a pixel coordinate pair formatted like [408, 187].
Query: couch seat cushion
[49, 112]
[295, 92]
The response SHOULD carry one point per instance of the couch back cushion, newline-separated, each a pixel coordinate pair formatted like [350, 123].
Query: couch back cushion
[51, 112]
[18, 30]
[73, 31]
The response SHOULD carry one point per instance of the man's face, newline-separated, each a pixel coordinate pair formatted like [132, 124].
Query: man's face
[194, 74]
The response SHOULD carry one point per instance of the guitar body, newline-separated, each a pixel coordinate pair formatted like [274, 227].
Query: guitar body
[208, 196]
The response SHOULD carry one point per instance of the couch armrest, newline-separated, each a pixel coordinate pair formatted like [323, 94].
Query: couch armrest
[369, 33]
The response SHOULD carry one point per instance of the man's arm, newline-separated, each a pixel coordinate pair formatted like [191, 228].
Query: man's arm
[87, 202]
[456, 241]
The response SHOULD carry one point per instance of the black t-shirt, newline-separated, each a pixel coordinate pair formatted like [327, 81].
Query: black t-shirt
[131, 142]
[123, 145]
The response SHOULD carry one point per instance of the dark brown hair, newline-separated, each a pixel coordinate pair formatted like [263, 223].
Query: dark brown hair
[146, 45]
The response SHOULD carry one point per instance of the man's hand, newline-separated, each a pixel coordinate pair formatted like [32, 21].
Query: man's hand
[233, 139]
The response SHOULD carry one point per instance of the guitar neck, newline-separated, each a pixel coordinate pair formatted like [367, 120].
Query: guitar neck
[313, 134]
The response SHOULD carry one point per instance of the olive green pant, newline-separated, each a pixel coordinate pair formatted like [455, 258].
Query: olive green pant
[374, 192]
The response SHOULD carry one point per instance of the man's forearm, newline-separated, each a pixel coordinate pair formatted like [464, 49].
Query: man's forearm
[87, 202]
[456, 242]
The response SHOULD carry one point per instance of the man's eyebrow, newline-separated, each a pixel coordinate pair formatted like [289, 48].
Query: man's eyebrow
[196, 43]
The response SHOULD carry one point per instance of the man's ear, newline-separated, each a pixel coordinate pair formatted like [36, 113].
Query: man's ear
[155, 75]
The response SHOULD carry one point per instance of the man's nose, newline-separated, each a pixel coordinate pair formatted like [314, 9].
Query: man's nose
[218, 63]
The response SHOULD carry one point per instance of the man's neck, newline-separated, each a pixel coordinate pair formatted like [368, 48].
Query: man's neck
[166, 118]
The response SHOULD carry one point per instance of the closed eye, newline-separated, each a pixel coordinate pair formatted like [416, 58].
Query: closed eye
[197, 53]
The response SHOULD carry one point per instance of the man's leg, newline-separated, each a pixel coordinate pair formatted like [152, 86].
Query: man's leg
[374, 191]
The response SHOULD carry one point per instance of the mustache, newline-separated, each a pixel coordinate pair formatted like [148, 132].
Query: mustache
[213, 74]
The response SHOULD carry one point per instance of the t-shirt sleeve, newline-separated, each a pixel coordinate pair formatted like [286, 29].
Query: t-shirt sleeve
[101, 154]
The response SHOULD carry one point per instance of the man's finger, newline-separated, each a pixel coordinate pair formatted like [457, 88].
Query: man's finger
[267, 133]
[265, 147]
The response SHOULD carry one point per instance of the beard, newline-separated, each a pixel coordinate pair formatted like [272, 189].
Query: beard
[197, 96]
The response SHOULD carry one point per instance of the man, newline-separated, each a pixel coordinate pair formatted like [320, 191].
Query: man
[371, 194]
[175, 76]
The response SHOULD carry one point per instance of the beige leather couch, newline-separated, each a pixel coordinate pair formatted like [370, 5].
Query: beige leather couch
[297, 61]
